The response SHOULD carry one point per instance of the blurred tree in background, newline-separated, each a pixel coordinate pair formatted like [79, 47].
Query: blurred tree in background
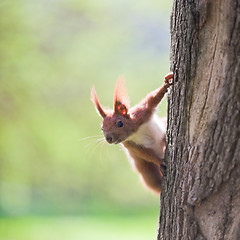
[51, 53]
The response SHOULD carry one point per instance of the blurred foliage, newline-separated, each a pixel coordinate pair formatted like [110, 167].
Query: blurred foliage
[51, 53]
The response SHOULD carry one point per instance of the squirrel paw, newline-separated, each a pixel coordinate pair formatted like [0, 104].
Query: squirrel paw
[169, 79]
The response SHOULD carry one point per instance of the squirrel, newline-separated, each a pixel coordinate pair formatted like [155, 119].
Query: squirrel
[141, 132]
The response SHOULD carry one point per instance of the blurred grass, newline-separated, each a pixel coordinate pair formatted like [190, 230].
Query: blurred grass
[108, 227]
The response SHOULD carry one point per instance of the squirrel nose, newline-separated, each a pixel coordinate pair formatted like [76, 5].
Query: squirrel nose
[109, 139]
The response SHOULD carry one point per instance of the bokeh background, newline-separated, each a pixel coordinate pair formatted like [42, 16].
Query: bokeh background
[57, 179]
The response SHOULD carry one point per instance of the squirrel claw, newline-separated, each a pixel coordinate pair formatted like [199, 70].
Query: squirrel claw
[163, 169]
[169, 79]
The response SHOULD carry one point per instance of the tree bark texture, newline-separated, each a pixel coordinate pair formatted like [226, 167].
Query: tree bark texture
[201, 190]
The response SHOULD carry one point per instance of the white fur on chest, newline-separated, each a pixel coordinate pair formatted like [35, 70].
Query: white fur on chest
[151, 135]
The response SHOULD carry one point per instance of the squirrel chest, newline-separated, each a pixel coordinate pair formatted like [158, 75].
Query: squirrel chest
[151, 135]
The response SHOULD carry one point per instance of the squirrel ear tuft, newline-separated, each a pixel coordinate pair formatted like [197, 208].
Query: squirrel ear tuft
[96, 102]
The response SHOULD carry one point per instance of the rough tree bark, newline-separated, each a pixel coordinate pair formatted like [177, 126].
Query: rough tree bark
[201, 190]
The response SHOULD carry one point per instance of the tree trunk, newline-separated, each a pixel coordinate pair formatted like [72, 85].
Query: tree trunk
[201, 190]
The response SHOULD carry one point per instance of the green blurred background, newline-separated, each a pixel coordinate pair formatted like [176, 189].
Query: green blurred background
[57, 180]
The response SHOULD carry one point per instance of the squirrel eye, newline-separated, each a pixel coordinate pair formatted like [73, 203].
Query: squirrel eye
[102, 128]
[120, 123]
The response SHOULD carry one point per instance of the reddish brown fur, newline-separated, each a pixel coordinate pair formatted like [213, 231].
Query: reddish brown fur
[147, 162]
[144, 110]
[150, 173]
[95, 100]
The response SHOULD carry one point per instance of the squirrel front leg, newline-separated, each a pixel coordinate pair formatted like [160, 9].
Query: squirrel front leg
[143, 111]
[142, 152]
[154, 98]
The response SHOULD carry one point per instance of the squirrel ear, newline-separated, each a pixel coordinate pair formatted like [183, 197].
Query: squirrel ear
[121, 101]
[96, 102]
[121, 108]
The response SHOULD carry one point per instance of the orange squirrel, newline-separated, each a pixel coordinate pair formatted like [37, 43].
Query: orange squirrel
[138, 129]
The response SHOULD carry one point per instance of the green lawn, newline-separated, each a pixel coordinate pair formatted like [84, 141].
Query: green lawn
[79, 228]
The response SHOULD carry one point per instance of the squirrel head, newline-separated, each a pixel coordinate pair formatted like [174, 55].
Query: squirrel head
[117, 125]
